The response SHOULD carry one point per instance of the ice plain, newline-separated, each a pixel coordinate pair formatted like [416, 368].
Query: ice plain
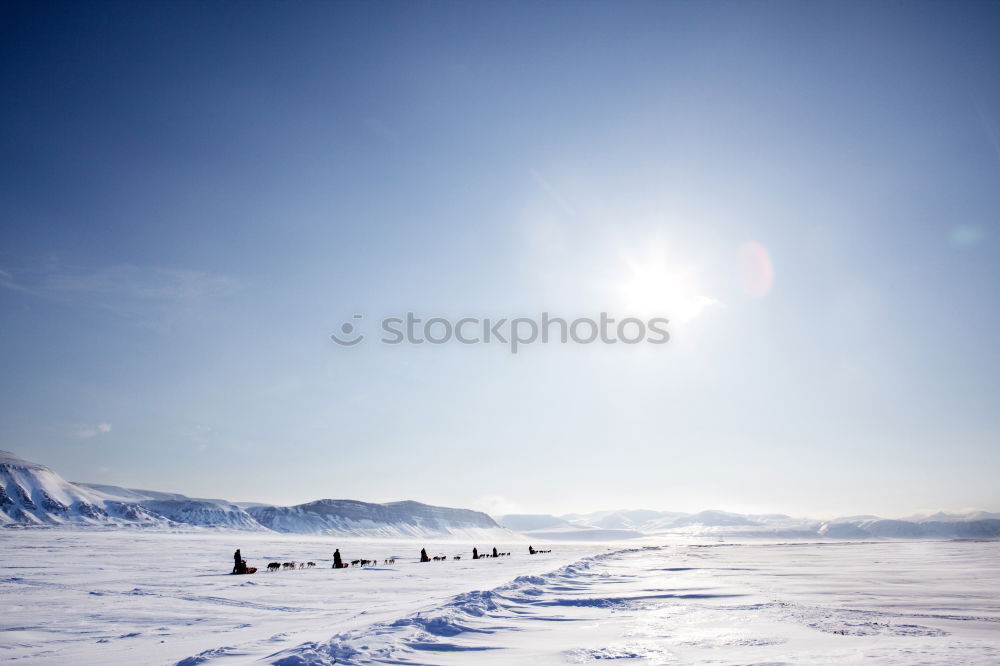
[78, 596]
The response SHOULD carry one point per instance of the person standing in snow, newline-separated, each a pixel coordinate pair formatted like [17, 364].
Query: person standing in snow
[337, 562]
[495, 551]
[237, 561]
[475, 554]
[423, 555]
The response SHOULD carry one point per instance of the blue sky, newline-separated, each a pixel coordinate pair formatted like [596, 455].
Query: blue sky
[194, 197]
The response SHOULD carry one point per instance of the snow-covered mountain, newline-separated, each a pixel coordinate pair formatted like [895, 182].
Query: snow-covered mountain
[961, 528]
[32, 494]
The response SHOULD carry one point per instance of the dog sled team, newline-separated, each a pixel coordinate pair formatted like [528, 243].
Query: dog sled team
[240, 564]
[274, 566]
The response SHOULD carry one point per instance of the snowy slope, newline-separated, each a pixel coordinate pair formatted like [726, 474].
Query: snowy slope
[393, 519]
[180, 509]
[32, 494]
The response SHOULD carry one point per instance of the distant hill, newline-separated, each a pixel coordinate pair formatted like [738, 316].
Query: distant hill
[531, 522]
[544, 526]
[365, 519]
[631, 524]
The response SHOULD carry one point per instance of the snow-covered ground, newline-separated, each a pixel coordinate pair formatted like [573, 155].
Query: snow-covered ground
[137, 597]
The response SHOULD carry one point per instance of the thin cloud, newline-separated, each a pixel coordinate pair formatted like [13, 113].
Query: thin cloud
[151, 296]
[143, 283]
[553, 193]
[381, 130]
[7, 282]
[496, 505]
[91, 431]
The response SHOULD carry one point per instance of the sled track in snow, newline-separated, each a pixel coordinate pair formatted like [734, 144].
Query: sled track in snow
[477, 612]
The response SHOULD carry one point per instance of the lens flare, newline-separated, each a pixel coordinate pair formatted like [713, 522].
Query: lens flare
[755, 270]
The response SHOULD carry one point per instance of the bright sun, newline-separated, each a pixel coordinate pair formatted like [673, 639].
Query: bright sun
[651, 287]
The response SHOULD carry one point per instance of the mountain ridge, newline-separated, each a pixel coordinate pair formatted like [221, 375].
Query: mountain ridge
[32, 494]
